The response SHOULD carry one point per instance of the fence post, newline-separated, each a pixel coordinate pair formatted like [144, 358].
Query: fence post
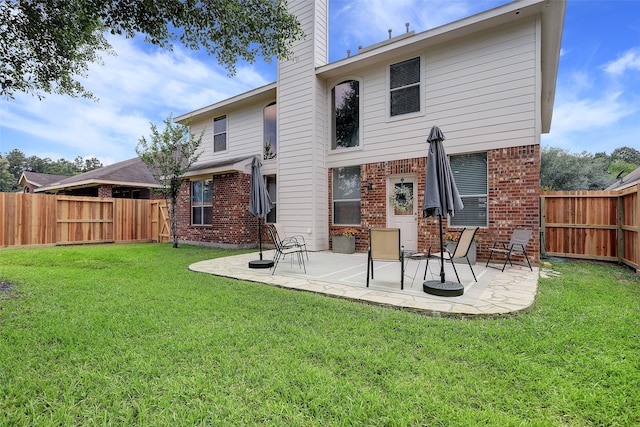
[620, 224]
[543, 226]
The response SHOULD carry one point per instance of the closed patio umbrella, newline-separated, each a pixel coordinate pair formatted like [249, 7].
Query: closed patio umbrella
[259, 206]
[441, 198]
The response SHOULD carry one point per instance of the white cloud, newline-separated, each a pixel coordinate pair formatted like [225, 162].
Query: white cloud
[139, 85]
[366, 22]
[630, 60]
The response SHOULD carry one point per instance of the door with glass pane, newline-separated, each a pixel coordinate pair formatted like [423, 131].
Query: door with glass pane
[402, 209]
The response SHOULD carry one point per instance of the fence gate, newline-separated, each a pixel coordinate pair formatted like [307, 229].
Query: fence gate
[160, 221]
[86, 219]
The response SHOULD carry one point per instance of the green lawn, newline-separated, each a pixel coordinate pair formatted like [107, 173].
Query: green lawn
[126, 335]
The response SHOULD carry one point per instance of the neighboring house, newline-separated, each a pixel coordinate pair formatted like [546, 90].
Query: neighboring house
[31, 181]
[630, 179]
[339, 140]
[130, 179]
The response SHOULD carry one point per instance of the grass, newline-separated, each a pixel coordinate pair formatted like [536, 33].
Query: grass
[126, 335]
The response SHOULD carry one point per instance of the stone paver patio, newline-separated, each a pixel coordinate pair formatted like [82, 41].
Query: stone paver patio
[495, 293]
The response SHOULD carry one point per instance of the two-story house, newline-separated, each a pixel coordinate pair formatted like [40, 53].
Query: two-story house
[340, 140]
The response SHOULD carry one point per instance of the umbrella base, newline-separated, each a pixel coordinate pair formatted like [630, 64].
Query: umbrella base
[443, 289]
[261, 263]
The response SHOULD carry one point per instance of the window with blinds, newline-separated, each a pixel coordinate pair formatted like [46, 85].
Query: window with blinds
[471, 175]
[404, 79]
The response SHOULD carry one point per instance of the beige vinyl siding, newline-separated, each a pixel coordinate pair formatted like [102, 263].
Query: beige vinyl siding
[301, 171]
[481, 91]
[244, 133]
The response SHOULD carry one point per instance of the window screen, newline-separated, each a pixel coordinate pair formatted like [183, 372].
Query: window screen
[405, 87]
[346, 195]
[202, 202]
[220, 134]
[470, 174]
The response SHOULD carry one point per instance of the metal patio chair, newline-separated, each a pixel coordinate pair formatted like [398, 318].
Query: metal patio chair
[461, 251]
[298, 239]
[384, 245]
[285, 247]
[517, 244]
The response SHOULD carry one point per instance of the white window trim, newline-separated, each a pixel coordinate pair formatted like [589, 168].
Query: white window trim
[269, 104]
[213, 138]
[191, 206]
[274, 202]
[333, 200]
[423, 97]
[360, 147]
[485, 195]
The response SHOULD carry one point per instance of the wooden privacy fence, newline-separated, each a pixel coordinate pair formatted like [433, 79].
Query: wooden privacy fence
[600, 225]
[41, 219]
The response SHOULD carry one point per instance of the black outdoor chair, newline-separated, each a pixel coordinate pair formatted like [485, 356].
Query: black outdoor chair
[284, 247]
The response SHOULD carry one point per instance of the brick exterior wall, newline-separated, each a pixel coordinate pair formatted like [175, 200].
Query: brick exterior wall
[514, 184]
[105, 190]
[233, 226]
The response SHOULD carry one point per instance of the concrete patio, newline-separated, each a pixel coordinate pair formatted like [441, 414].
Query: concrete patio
[495, 293]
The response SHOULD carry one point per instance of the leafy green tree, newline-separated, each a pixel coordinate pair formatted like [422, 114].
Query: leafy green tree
[86, 165]
[169, 155]
[563, 171]
[7, 181]
[17, 163]
[626, 154]
[621, 168]
[46, 44]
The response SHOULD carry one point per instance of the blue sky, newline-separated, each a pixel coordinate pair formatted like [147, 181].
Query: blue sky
[597, 105]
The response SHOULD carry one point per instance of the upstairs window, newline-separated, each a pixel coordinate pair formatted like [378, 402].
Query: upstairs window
[404, 78]
[270, 143]
[220, 134]
[471, 176]
[345, 111]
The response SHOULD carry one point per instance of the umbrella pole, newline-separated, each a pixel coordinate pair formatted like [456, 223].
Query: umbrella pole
[260, 237]
[442, 287]
[267, 263]
[441, 250]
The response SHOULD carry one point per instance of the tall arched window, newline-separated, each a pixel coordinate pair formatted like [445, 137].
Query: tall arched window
[345, 112]
[270, 141]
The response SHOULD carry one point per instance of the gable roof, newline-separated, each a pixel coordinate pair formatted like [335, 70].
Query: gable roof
[626, 181]
[39, 179]
[130, 173]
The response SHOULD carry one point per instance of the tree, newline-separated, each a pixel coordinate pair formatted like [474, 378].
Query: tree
[46, 44]
[563, 171]
[7, 181]
[18, 163]
[86, 165]
[626, 154]
[169, 156]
